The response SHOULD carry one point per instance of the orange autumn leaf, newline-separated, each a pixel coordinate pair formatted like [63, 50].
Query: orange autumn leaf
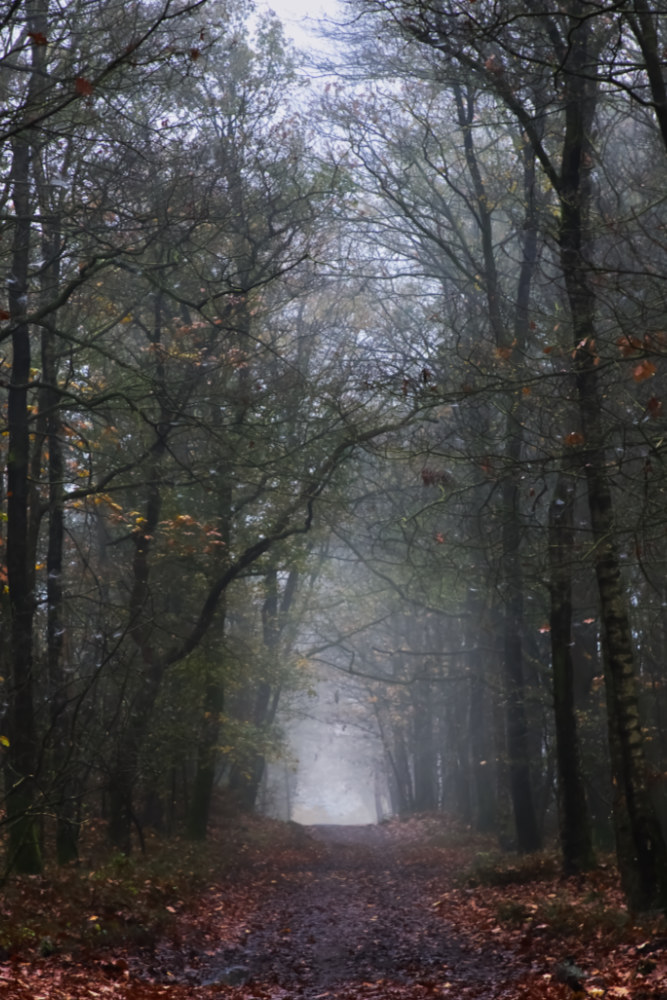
[628, 345]
[644, 370]
[573, 439]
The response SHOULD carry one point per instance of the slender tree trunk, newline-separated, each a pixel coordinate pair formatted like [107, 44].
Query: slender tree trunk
[527, 830]
[63, 791]
[204, 780]
[505, 825]
[518, 744]
[482, 753]
[21, 767]
[62, 722]
[423, 748]
[402, 774]
[574, 823]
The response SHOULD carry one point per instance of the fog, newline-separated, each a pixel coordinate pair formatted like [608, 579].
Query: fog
[331, 773]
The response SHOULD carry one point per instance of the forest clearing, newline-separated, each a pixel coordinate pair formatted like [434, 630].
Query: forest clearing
[407, 910]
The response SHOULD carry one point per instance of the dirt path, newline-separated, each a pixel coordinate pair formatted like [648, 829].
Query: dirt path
[346, 913]
[353, 915]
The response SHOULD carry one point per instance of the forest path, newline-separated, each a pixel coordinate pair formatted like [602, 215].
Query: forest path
[400, 911]
[353, 913]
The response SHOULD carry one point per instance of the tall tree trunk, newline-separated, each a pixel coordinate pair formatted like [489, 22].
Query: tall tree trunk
[22, 755]
[518, 743]
[641, 848]
[481, 751]
[63, 791]
[512, 624]
[24, 849]
[574, 823]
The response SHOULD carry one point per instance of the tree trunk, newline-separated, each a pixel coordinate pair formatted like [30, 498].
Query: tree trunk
[24, 849]
[574, 824]
[518, 750]
[480, 727]
[204, 781]
[642, 853]
[423, 749]
[482, 756]
[63, 791]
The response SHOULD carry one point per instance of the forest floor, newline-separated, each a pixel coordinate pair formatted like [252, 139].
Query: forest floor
[412, 909]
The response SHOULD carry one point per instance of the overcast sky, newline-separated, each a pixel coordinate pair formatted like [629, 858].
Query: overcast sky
[300, 17]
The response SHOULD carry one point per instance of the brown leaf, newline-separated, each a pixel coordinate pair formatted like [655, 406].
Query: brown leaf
[505, 351]
[654, 407]
[645, 369]
[83, 87]
[628, 345]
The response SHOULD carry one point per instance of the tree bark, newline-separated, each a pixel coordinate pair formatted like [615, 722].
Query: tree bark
[24, 849]
[481, 751]
[574, 823]
[641, 849]
[423, 748]
[22, 757]
[521, 791]
[204, 780]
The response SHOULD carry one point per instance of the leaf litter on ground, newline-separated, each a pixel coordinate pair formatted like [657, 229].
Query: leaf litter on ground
[413, 909]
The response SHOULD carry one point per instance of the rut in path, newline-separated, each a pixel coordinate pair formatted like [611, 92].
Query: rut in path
[355, 918]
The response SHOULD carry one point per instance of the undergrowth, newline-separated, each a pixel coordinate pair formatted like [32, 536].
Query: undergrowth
[492, 868]
[111, 900]
[530, 894]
